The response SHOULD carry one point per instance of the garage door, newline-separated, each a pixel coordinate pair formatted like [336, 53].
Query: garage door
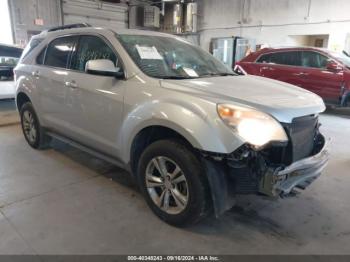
[96, 13]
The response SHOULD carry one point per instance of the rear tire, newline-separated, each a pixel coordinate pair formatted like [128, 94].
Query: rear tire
[174, 183]
[32, 130]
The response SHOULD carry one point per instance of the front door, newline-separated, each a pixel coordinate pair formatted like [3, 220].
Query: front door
[282, 66]
[94, 103]
[318, 79]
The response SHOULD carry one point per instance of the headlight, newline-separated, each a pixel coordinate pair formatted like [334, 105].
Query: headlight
[255, 127]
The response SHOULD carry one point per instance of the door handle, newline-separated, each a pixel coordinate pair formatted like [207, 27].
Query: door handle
[301, 74]
[36, 74]
[267, 68]
[71, 84]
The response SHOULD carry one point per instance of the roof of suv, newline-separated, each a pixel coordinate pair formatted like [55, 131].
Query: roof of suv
[253, 56]
[45, 34]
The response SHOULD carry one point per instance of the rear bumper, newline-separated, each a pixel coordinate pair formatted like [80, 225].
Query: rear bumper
[300, 174]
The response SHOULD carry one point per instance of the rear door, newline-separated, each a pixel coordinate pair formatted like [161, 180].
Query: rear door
[282, 66]
[318, 79]
[50, 76]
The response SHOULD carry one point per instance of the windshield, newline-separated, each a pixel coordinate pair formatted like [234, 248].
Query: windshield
[173, 58]
[342, 57]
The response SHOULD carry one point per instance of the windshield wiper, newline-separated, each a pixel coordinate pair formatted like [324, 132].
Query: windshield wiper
[218, 74]
[177, 77]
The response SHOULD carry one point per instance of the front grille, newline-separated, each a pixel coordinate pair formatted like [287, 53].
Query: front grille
[301, 132]
[244, 179]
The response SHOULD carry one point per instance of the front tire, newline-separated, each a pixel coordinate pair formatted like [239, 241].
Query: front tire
[32, 130]
[173, 182]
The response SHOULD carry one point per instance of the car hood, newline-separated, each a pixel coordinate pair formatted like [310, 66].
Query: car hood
[281, 100]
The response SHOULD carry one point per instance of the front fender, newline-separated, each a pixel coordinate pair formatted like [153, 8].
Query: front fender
[203, 129]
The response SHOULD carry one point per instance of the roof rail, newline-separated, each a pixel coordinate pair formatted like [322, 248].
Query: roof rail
[71, 26]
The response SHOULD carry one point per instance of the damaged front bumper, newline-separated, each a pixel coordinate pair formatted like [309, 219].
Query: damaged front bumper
[299, 174]
[229, 177]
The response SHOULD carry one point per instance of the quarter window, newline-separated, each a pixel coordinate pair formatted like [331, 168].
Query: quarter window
[30, 47]
[58, 52]
[91, 48]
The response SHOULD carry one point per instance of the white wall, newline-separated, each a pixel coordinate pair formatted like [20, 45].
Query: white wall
[307, 40]
[97, 13]
[5, 24]
[273, 21]
[24, 12]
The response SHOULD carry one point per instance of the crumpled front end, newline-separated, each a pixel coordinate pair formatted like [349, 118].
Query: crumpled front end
[283, 180]
[277, 170]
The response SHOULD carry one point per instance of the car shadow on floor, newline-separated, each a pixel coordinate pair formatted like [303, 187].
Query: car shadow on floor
[97, 165]
[340, 112]
[295, 221]
[232, 224]
[8, 112]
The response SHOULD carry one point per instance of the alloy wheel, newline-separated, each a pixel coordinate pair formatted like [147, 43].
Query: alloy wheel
[167, 185]
[29, 127]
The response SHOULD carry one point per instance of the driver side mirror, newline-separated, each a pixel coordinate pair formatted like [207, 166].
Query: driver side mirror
[103, 67]
[333, 66]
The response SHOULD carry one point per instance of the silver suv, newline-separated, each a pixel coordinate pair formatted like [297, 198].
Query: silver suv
[192, 133]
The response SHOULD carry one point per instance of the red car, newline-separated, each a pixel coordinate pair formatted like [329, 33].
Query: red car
[321, 71]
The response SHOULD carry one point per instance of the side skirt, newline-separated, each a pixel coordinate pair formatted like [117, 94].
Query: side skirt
[89, 150]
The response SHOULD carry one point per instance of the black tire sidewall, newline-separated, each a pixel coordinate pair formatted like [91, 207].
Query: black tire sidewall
[198, 190]
[28, 107]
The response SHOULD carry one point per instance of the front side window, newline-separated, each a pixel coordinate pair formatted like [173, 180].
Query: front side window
[314, 60]
[342, 57]
[59, 51]
[91, 48]
[264, 59]
[168, 57]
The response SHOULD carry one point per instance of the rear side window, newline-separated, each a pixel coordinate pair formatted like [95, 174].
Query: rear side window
[314, 59]
[59, 51]
[282, 58]
[91, 48]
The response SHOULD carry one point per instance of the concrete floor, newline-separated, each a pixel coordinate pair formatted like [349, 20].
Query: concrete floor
[63, 201]
[8, 112]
